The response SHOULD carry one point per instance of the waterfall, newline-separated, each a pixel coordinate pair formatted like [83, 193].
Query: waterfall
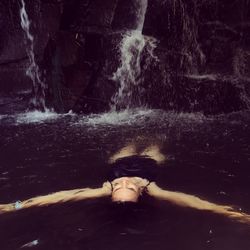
[141, 12]
[128, 74]
[38, 100]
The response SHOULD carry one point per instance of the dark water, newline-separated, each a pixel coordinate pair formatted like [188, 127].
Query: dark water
[42, 153]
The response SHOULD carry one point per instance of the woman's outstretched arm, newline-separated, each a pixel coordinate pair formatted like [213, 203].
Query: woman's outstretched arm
[186, 200]
[58, 197]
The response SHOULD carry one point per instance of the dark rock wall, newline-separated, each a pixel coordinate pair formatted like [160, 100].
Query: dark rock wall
[45, 19]
[211, 32]
[203, 52]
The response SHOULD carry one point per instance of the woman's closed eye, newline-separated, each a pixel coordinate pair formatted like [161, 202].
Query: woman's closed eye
[132, 189]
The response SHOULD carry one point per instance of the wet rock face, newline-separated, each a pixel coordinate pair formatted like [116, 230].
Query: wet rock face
[44, 20]
[13, 56]
[2, 18]
[209, 31]
[203, 51]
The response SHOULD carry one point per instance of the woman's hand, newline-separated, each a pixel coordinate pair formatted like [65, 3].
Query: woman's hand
[107, 187]
[140, 182]
[153, 189]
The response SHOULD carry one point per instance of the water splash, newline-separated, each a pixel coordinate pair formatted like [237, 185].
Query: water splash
[124, 117]
[36, 117]
[30, 244]
[141, 117]
[38, 100]
[129, 72]
[128, 75]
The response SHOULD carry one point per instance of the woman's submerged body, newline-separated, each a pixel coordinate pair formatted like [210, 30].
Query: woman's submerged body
[127, 181]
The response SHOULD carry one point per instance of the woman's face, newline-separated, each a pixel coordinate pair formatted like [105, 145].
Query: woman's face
[127, 188]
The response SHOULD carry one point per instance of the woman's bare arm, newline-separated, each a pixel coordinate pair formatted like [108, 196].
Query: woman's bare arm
[58, 197]
[187, 200]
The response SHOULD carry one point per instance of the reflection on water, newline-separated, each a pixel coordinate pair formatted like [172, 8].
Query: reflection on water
[46, 152]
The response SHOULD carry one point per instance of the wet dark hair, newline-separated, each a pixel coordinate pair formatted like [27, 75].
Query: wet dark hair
[131, 212]
[125, 209]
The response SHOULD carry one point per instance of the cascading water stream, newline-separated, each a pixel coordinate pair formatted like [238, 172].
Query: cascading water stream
[38, 100]
[131, 48]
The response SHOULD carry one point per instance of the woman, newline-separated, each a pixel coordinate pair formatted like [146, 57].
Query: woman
[131, 174]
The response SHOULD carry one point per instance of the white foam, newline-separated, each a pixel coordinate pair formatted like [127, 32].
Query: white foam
[141, 117]
[128, 117]
[36, 116]
[124, 117]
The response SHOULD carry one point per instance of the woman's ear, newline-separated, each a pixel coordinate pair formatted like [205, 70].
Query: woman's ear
[144, 185]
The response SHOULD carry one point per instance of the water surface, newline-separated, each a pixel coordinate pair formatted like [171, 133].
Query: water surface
[42, 153]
